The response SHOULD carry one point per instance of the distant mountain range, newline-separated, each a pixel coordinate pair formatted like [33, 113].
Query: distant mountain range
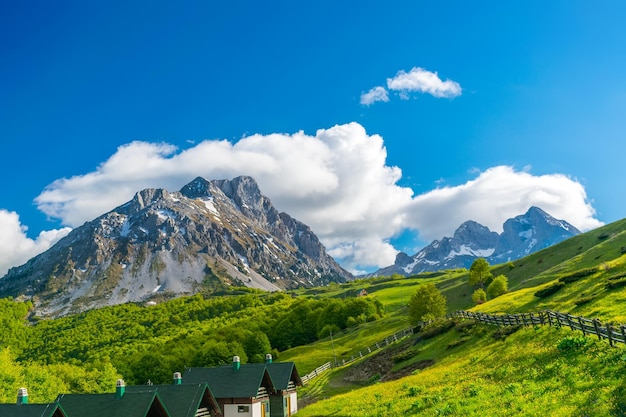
[208, 236]
[521, 236]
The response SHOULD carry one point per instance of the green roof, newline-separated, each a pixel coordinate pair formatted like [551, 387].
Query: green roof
[226, 382]
[31, 410]
[282, 373]
[181, 400]
[141, 404]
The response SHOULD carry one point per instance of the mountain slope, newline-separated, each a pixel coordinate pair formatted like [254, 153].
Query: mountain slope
[521, 236]
[208, 235]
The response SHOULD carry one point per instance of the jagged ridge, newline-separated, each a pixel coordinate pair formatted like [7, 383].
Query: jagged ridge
[521, 236]
[207, 235]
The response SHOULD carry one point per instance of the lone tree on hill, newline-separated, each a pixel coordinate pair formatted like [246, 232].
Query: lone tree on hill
[479, 272]
[426, 303]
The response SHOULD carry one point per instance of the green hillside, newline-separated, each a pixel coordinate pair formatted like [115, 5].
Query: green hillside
[474, 369]
[467, 369]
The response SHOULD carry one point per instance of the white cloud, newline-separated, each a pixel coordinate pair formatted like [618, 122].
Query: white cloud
[15, 247]
[417, 80]
[336, 181]
[497, 194]
[423, 81]
[375, 94]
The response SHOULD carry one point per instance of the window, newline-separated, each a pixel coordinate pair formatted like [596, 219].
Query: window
[243, 409]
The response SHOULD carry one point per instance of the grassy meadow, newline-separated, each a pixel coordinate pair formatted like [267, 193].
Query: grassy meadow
[480, 370]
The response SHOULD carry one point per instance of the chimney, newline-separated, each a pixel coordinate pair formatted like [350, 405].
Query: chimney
[236, 363]
[178, 378]
[268, 358]
[120, 387]
[22, 396]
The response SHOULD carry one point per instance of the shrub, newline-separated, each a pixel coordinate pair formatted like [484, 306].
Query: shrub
[436, 328]
[612, 284]
[457, 342]
[583, 300]
[479, 296]
[575, 276]
[545, 292]
[572, 343]
[499, 286]
[504, 331]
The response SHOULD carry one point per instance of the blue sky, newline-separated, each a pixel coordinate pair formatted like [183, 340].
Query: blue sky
[491, 107]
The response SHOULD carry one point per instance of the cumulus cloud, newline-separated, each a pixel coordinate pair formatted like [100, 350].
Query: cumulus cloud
[417, 80]
[337, 181]
[375, 94]
[497, 194]
[423, 81]
[15, 247]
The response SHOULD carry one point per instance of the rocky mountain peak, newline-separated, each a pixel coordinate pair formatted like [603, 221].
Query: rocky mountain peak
[521, 236]
[208, 236]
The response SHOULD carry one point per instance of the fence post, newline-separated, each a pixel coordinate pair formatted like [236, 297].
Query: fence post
[609, 333]
[623, 330]
[596, 325]
[582, 326]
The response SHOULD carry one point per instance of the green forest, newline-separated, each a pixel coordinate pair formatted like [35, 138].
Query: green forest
[89, 351]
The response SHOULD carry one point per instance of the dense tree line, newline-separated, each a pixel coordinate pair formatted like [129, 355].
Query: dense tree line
[141, 343]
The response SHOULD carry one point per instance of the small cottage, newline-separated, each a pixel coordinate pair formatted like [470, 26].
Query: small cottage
[240, 390]
[122, 403]
[285, 377]
[183, 400]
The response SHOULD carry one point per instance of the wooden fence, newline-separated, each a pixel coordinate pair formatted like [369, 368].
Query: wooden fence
[613, 333]
[589, 327]
[378, 345]
[364, 351]
[316, 372]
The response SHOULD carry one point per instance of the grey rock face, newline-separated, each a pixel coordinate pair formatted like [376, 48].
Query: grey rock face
[206, 237]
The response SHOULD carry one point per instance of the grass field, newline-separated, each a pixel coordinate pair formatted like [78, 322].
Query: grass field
[478, 370]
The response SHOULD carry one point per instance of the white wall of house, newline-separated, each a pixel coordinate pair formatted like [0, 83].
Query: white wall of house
[293, 400]
[239, 410]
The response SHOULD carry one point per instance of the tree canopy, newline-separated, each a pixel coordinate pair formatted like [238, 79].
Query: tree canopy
[479, 272]
[426, 303]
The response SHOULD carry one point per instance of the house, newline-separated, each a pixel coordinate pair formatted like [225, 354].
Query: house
[240, 390]
[361, 293]
[284, 402]
[122, 403]
[23, 409]
[183, 400]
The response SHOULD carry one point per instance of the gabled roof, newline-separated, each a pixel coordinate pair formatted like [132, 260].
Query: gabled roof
[141, 404]
[32, 410]
[282, 373]
[181, 400]
[226, 382]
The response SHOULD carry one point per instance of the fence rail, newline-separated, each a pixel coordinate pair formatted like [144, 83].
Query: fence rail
[378, 345]
[613, 333]
[316, 372]
[364, 351]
